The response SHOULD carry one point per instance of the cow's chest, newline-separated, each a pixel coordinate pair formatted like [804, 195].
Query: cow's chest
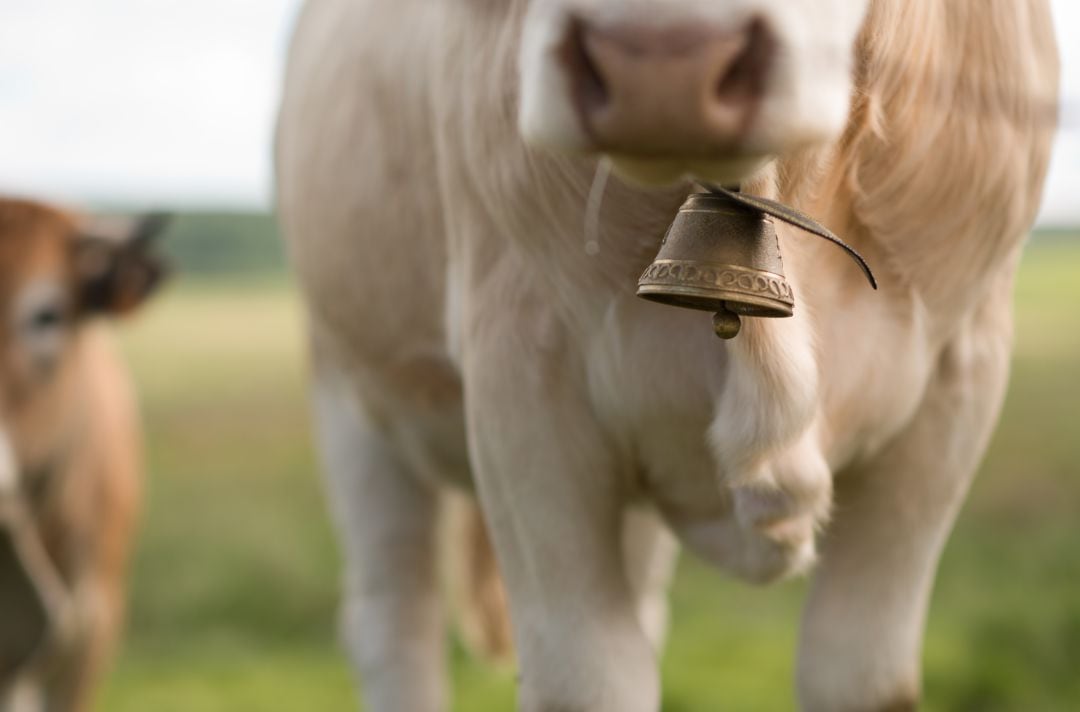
[656, 375]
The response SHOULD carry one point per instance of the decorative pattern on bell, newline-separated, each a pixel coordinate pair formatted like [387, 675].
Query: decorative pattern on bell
[722, 256]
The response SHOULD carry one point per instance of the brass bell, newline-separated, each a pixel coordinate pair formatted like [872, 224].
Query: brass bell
[722, 256]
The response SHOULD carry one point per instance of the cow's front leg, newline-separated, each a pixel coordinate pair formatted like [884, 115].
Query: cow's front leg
[553, 497]
[386, 518]
[650, 552]
[73, 673]
[863, 626]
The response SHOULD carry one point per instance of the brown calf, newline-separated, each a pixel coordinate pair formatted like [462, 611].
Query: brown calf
[69, 451]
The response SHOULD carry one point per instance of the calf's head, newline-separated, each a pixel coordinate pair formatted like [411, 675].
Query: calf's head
[55, 275]
[669, 88]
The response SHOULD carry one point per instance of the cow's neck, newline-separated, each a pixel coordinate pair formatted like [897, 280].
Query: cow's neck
[532, 203]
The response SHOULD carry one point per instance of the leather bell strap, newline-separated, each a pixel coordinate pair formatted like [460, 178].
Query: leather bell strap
[794, 217]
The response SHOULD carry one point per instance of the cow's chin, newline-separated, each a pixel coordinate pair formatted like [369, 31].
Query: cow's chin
[657, 172]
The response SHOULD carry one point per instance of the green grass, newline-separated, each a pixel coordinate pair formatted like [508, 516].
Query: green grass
[235, 577]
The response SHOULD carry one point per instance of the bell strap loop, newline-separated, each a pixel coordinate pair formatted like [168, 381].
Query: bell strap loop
[794, 217]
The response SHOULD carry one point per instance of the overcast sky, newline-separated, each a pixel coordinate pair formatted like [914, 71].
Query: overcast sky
[171, 102]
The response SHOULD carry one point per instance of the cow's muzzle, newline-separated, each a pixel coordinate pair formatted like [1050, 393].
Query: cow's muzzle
[684, 90]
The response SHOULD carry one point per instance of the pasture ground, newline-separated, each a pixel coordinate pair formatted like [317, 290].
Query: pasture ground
[235, 577]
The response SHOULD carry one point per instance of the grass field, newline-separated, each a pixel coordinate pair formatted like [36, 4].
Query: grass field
[235, 578]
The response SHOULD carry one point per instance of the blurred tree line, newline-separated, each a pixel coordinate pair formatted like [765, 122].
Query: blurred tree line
[216, 243]
[222, 243]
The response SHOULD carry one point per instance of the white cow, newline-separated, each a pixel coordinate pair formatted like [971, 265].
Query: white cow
[435, 159]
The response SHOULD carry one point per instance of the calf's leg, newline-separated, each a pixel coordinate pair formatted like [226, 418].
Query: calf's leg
[23, 693]
[74, 674]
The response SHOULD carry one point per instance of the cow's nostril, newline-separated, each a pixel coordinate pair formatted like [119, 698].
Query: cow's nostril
[746, 78]
[589, 89]
[669, 89]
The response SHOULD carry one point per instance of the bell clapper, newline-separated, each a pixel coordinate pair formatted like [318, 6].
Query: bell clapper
[723, 257]
[721, 254]
[726, 324]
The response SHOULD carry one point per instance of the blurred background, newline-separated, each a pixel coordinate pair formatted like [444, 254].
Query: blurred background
[121, 105]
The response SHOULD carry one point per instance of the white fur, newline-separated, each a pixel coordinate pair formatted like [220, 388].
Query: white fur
[386, 521]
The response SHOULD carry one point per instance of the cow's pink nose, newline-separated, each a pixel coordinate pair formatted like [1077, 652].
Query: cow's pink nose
[676, 91]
